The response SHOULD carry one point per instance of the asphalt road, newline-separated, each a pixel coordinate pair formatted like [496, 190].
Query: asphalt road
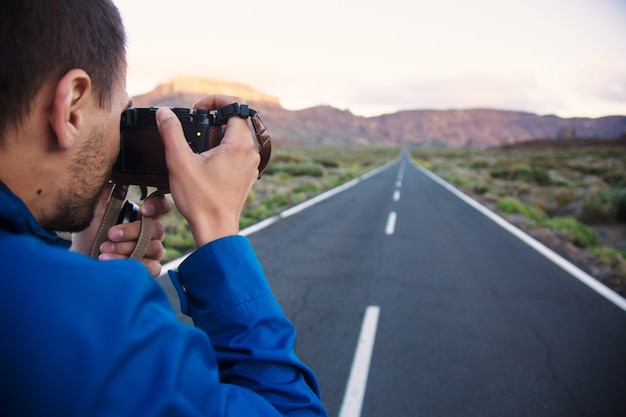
[472, 321]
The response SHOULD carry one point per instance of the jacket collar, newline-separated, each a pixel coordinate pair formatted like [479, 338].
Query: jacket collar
[15, 217]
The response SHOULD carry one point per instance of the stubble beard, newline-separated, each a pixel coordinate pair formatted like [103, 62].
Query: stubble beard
[77, 202]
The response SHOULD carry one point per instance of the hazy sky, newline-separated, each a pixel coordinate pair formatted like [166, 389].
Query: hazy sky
[566, 57]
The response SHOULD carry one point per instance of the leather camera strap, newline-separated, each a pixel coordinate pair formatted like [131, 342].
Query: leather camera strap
[145, 236]
[118, 194]
[111, 215]
[263, 139]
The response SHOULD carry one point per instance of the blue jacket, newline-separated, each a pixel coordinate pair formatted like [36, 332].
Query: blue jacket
[82, 337]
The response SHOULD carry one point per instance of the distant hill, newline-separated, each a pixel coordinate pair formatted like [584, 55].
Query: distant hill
[183, 91]
[325, 125]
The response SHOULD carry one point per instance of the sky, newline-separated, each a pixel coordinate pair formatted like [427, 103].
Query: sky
[563, 57]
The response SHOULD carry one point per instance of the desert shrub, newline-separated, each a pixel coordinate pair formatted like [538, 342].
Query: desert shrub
[612, 258]
[296, 170]
[564, 197]
[172, 253]
[284, 157]
[541, 176]
[178, 238]
[619, 203]
[511, 205]
[251, 216]
[521, 172]
[480, 164]
[335, 182]
[183, 240]
[480, 188]
[499, 172]
[595, 208]
[423, 154]
[591, 169]
[309, 187]
[331, 163]
[342, 179]
[555, 201]
[456, 179]
[604, 206]
[615, 178]
[423, 162]
[542, 160]
[348, 176]
[578, 233]
[276, 200]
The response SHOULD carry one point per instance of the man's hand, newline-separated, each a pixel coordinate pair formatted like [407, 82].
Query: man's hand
[210, 189]
[123, 237]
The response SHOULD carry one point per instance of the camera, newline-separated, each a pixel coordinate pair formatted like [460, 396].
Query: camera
[141, 160]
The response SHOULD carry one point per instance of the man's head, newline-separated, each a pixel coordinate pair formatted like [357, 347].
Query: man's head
[44, 39]
[62, 90]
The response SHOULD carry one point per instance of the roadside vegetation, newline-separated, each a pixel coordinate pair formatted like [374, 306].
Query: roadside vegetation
[572, 199]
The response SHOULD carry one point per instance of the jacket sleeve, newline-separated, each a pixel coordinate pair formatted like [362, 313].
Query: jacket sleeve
[86, 337]
[223, 288]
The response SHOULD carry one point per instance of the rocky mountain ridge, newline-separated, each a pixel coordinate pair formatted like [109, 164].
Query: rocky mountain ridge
[325, 125]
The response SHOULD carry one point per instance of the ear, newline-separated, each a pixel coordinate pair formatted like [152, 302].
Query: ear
[71, 96]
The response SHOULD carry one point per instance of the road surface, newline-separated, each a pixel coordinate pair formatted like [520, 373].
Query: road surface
[410, 302]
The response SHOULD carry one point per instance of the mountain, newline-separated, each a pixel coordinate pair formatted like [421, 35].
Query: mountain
[325, 125]
[182, 89]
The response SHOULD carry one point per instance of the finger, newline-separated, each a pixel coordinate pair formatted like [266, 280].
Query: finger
[153, 267]
[122, 250]
[129, 232]
[156, 206]
[215, 101]
[111, 250]
[238, 138]
[155, 251]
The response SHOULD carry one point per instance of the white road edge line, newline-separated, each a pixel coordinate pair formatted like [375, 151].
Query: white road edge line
[357, 382]
[391, 223]
[573, 270]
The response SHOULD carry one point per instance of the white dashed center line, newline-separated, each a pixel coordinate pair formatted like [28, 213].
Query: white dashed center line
[391, 223]
[355, 389]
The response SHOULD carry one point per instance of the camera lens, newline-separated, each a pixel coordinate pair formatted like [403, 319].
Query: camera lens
[129, 213]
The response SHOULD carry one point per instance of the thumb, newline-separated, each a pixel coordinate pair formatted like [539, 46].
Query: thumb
[171, 132]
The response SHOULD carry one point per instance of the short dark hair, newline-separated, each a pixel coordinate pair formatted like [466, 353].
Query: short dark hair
[47, 38]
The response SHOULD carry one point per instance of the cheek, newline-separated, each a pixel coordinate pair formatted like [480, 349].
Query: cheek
[112, 135]
[115, 144]
[106, 145]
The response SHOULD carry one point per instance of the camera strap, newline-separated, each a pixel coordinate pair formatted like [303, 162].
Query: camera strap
[119, 191]
[263, 140]
[110, 219]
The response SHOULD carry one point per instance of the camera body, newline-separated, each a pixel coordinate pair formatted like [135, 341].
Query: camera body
[141, 160]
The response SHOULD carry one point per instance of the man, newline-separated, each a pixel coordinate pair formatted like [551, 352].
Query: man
[83, 337]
